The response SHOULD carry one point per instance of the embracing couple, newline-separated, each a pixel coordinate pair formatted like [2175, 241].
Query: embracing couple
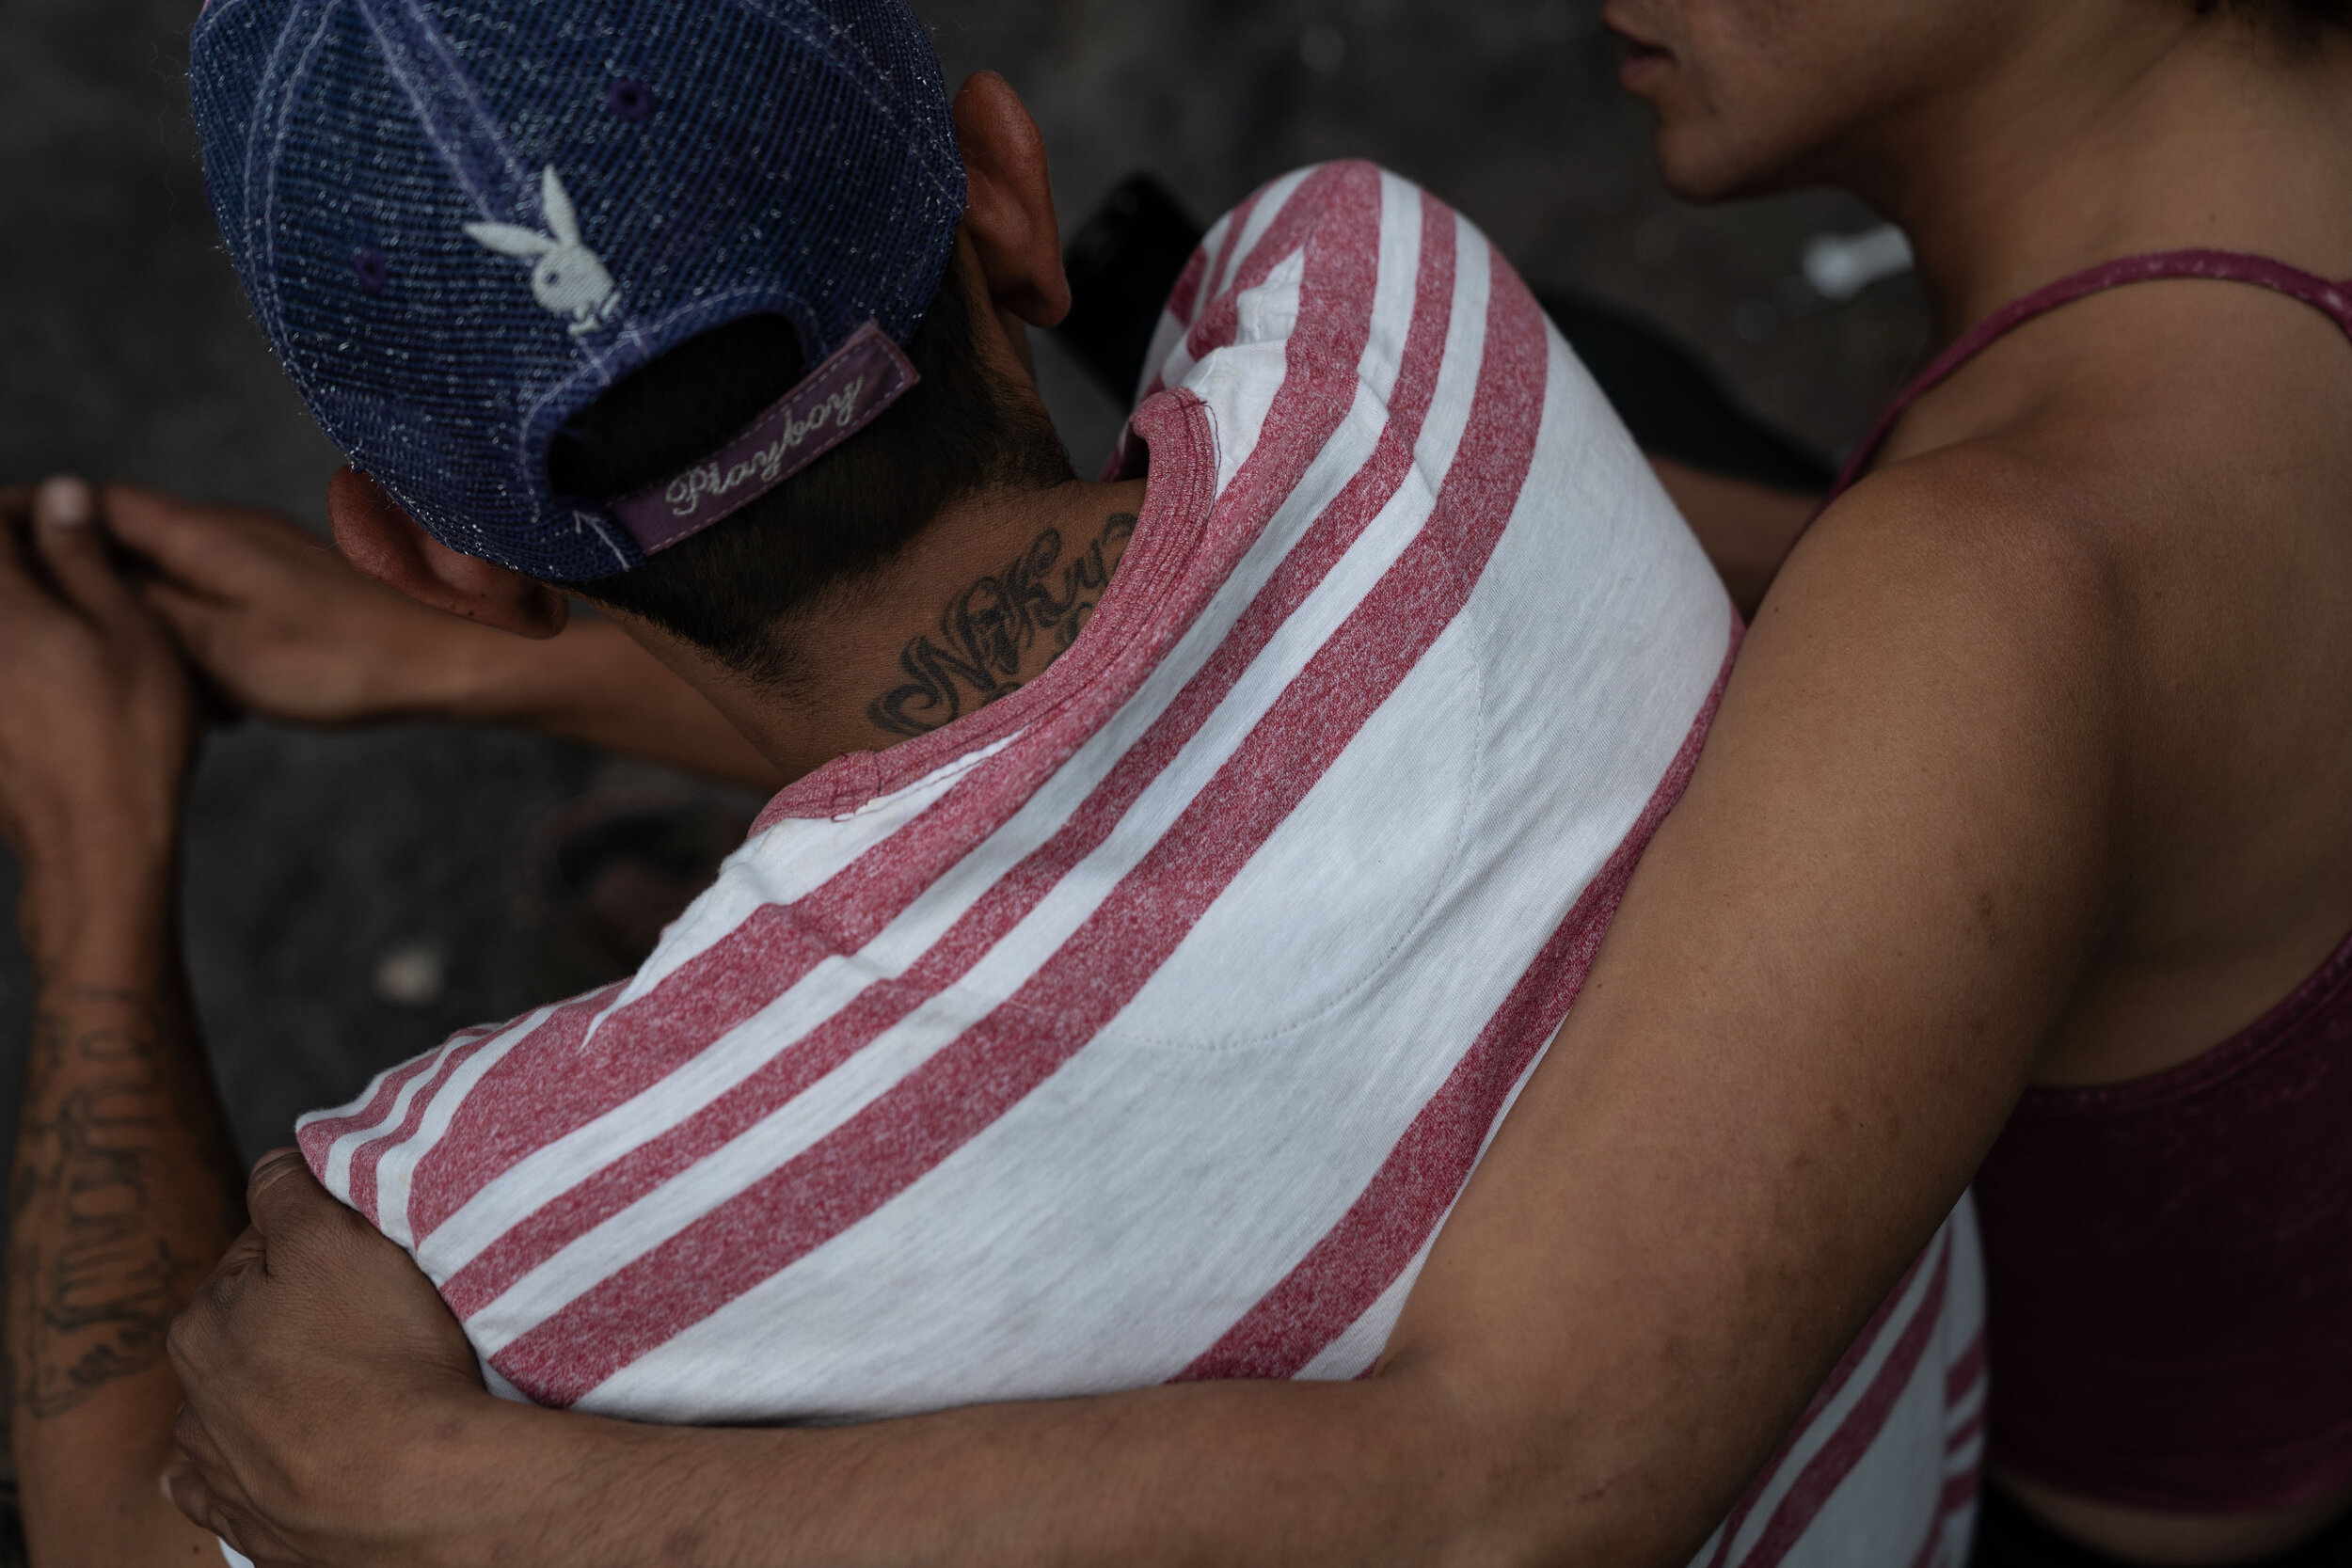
[1370, 1016]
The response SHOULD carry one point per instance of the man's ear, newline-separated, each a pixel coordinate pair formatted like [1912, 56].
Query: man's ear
[1010, 211]
[387, 544]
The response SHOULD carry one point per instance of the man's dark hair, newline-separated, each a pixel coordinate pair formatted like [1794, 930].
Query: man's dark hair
[961, 430]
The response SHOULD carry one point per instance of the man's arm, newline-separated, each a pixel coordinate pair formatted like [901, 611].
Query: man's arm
[1827, 983]
[125, 1189]
[290, 629]
[287, 627]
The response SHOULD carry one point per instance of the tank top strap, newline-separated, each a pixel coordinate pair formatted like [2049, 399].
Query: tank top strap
[2225, 266]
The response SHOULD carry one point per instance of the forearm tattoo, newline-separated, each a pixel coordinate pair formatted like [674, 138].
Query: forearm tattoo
[95, 1264]
[987, 631]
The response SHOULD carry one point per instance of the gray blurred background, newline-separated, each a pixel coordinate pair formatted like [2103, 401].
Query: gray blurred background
[352, 897]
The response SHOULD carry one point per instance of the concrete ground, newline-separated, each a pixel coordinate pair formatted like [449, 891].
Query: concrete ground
[352, 897]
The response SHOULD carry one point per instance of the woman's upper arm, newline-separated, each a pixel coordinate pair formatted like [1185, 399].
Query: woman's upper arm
[1824, 991]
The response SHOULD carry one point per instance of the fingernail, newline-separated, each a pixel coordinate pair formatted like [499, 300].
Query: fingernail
[65, 501]
[276, 1161]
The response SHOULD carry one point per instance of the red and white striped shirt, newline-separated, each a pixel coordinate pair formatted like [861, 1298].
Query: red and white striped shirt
[1145, 1024]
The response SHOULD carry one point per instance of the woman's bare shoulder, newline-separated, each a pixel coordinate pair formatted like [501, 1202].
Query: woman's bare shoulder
[2180, 441]
[2166, 534]
[2154, 418]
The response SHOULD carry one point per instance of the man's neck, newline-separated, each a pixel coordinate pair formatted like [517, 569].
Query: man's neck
[975, 608]
[2092, 142]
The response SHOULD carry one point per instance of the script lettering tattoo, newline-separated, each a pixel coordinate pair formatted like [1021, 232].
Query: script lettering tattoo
[974, 656]
[101, 1278]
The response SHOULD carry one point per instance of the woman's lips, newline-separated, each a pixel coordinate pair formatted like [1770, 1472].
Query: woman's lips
[1646, 59]
[1645, 65]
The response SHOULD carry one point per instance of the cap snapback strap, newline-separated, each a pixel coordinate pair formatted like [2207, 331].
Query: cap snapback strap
[833, 403]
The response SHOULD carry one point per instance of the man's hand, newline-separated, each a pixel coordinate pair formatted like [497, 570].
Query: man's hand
[289, 628]
[96, 715]
[330, 1393]
[284, 624]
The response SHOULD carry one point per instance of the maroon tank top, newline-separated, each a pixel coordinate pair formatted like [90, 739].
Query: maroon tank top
[2169, 1260]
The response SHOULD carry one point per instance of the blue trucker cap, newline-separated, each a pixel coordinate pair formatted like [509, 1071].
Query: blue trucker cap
[459, 224]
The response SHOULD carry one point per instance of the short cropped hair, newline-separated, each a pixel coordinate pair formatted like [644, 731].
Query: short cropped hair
[962, 430]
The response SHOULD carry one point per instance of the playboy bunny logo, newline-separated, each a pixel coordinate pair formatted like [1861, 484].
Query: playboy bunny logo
[567, 278]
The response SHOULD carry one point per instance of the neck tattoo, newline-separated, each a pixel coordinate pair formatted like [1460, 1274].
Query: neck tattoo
[984, 633]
